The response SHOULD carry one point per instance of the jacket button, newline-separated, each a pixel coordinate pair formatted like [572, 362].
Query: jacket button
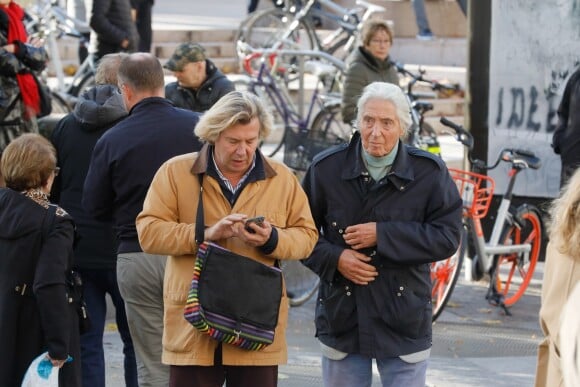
[333, 224]
[402, 188]
[340, 231]
[346, 287]
[348, 293]
[401, 288]
[399, 294]
[17, 288]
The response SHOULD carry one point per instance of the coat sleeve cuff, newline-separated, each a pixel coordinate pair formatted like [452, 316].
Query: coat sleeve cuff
[271, 244]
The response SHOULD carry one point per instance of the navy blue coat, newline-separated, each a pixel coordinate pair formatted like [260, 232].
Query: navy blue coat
[126, 158]
[418, 213]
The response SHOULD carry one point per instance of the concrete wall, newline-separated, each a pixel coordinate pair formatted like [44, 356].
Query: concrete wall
[445, 17]
[534, 49]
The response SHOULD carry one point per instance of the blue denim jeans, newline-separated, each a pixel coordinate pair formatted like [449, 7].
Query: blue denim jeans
[96, 285]
[356, 371]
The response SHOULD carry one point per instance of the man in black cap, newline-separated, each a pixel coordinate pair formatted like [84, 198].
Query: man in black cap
[199, 82]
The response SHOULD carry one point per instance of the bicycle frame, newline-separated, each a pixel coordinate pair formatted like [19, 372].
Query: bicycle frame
[487, 250]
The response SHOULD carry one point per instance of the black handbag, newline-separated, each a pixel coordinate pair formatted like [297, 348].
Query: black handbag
[232, 298]
[74, 283]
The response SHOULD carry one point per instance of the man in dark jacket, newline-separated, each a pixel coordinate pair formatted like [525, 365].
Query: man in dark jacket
[566, 140]
[385, 211]
[199, 82]
[74, 138]
[123, 164]
[112, 27]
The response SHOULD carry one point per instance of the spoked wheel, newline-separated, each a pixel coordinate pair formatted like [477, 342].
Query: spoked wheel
[327, 130]
[444, 275]
[328, 127]
[274, 28]
[515, 271]
[301, 282]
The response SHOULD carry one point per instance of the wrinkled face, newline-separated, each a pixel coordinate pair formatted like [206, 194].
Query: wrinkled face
[235, 148]
[379, 45]
[191, 75]
[380, 127]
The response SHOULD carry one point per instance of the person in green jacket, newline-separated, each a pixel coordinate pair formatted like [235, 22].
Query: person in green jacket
[367, 64]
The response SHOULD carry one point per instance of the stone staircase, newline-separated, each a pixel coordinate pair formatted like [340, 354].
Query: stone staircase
[443, 58]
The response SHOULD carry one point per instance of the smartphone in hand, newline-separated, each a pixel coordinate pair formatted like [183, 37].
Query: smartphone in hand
[258, 220]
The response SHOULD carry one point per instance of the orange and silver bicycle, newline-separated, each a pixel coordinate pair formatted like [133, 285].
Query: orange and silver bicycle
[510, 255]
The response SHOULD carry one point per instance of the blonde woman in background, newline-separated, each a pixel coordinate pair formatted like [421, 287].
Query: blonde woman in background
[561, 274]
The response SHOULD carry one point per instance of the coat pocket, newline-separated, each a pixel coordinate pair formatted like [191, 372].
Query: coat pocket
[336, 311]
[402, 305]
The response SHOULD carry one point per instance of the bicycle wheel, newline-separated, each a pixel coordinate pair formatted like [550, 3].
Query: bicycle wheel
[444, 275]
[328, 126]
[273, 143]
[59, 105]
[515, 271]
[301, 282]
[85, 83]
[271, 27]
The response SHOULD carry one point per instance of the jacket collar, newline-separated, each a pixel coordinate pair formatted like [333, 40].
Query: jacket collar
[142, 105]
[201, 162]
[400, 175]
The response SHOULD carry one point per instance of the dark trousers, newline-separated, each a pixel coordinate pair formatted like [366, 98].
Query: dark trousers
[143, 23]
[216, 375]
[96, 285]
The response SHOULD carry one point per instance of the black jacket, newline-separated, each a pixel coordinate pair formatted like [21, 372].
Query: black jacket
[215, 86]
[74, 138]
[111, 23]
[126, 158]
[35, 317]
[566, 140]
[418, 213]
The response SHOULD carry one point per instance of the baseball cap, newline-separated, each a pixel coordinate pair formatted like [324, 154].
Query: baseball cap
[184, 54]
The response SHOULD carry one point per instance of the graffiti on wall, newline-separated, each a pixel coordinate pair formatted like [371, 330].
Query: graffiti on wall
[531, 60]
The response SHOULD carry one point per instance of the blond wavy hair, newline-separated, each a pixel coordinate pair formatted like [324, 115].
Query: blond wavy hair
[565, 222]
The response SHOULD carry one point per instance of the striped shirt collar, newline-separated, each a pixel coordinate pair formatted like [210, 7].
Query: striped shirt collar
[230, 187]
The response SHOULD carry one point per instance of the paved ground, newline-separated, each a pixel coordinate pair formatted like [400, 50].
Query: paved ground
[474, 344]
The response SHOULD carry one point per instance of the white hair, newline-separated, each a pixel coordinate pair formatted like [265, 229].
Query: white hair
[388, 92]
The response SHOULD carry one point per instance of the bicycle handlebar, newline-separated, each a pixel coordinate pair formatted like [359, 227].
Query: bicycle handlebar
[420, 78]
[519, 158]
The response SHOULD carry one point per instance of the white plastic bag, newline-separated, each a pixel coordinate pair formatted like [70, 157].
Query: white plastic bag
[41, 373]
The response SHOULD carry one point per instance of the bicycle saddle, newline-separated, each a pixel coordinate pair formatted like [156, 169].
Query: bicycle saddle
[528, 157]
[422, 106]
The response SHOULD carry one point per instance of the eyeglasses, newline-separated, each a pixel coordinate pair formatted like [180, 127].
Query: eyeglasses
[56, 171]
[378, 42]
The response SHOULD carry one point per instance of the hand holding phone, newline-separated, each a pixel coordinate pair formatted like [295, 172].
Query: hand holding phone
[257, 220]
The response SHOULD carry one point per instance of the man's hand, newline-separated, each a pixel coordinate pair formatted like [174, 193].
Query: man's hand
[260, 235]
[225, 228]
[352, 265]
[361, 236]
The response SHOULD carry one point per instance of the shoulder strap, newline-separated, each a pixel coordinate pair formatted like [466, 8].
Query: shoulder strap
[199, 220]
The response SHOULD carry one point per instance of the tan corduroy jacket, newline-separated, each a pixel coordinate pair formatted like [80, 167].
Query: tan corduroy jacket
[561, 274]
[167, 226]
